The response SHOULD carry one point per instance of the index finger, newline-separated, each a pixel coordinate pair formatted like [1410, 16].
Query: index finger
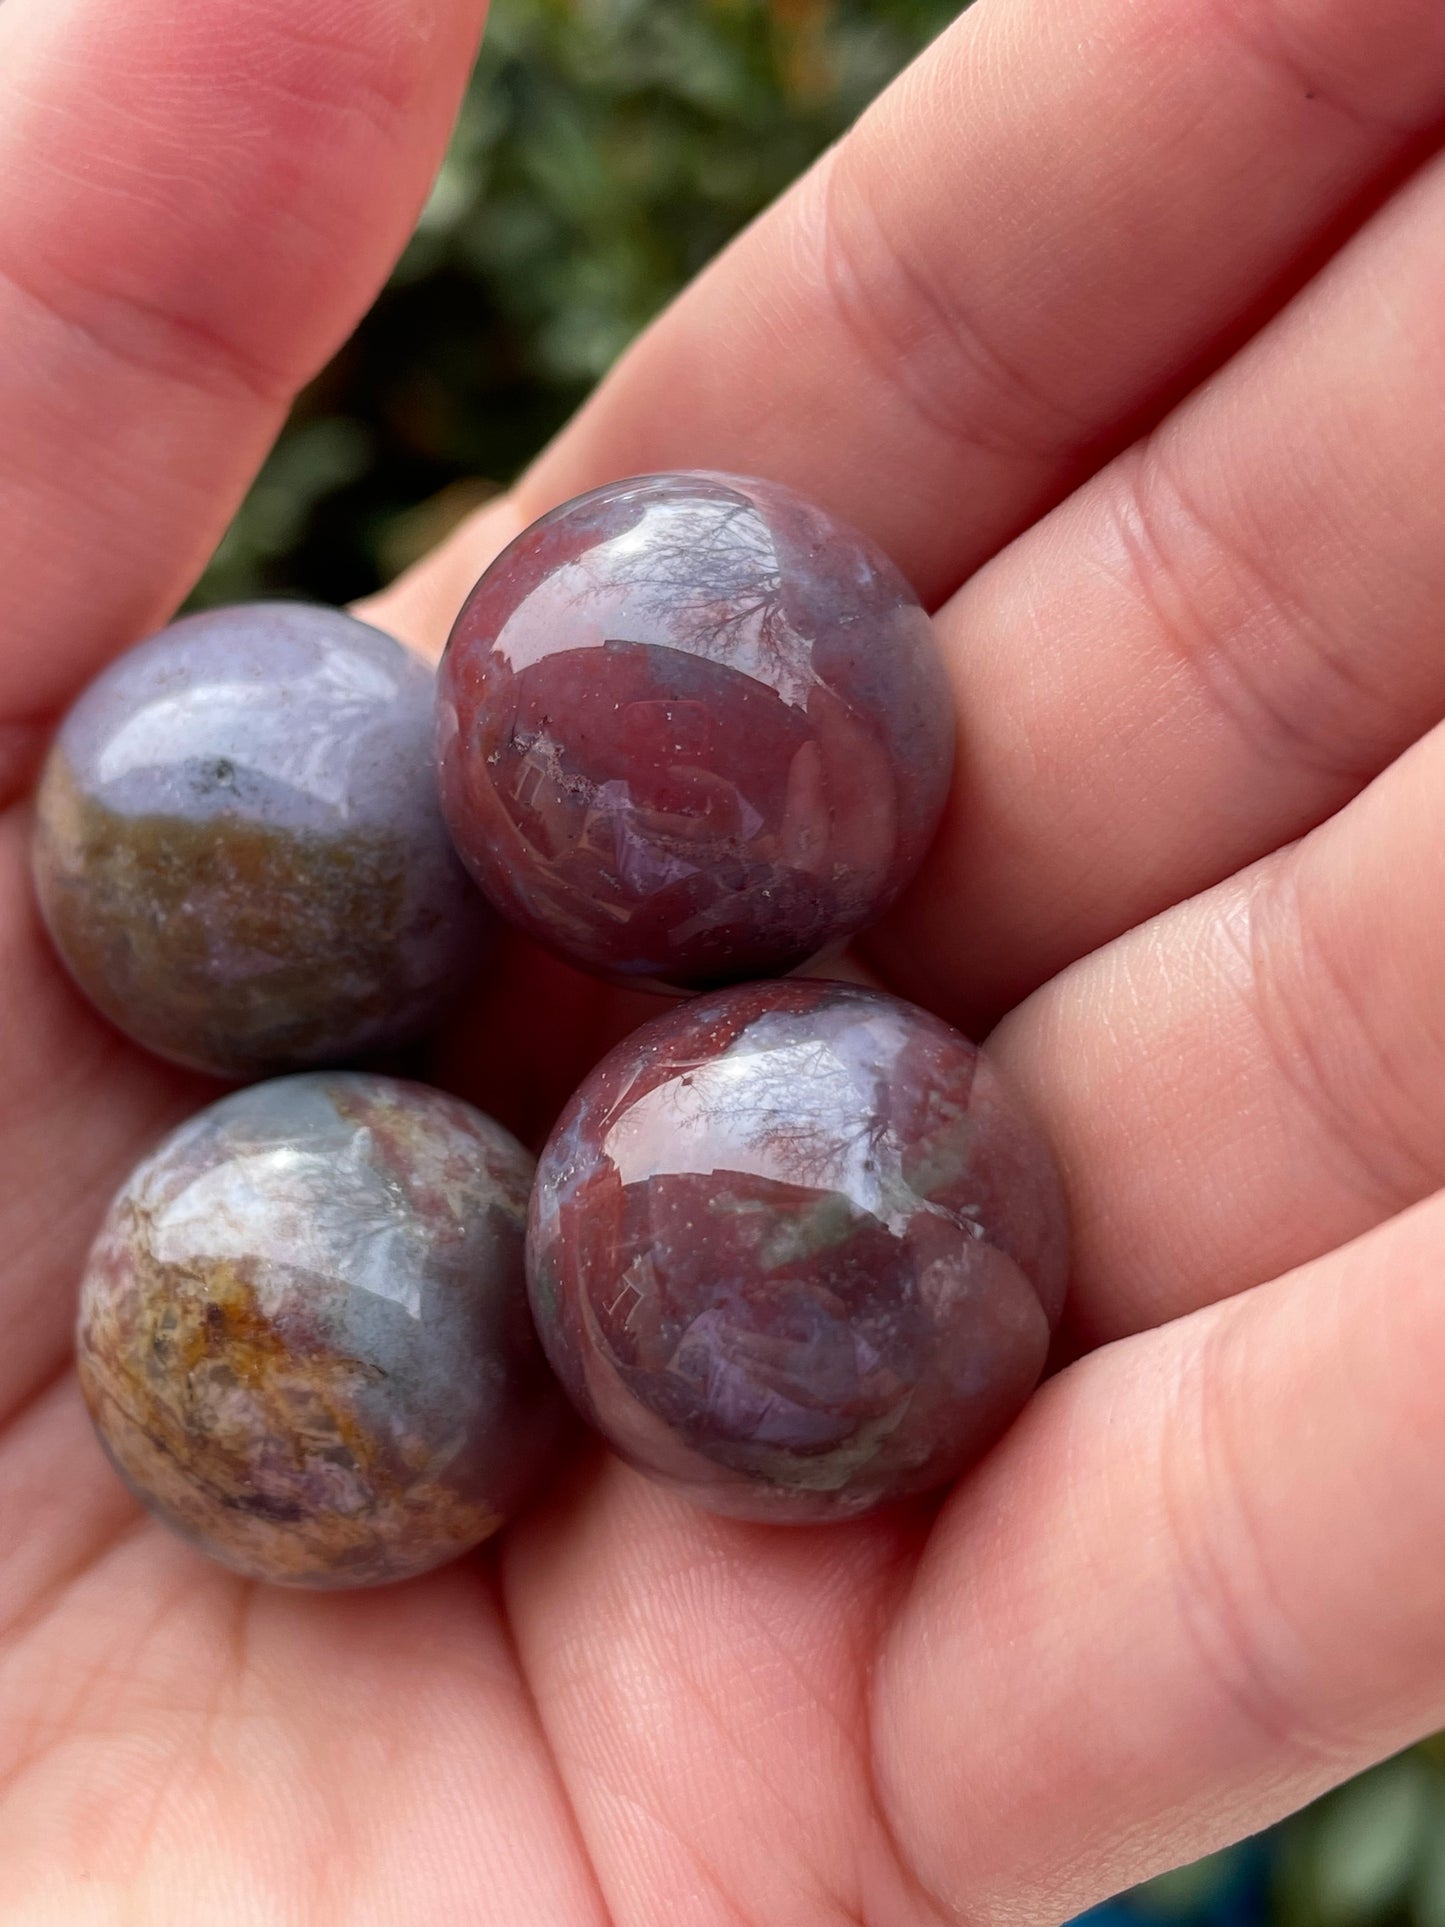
[1057, 219]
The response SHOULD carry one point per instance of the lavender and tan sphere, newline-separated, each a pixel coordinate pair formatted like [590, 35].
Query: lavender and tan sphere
[693, 729]
[304, 1336]
[239, 850]
[795, 1251]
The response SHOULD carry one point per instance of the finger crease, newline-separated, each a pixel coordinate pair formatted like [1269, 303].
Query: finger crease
[1280, 954]
[1143, 503]
[898, 319]
[151, 339]
[1228, 1604]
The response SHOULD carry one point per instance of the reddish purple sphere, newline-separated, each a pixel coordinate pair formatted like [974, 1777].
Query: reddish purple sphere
[692, 729]
[794, 1250]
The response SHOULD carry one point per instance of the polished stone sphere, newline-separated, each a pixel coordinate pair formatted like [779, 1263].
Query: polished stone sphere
[693, 729]
[304, 1335]
[239, 851]
[794, 1250]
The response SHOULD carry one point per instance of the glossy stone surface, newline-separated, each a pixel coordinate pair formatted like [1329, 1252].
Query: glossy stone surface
[239, 850]
[304, 1336]
[794, 1250]
[692, 729]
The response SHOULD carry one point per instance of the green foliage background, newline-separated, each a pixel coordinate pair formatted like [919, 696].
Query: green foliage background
[606, 150]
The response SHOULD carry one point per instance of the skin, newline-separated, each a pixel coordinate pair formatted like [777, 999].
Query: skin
[1191, 860]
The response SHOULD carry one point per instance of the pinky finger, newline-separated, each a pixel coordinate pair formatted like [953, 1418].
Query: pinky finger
[1200, 1583]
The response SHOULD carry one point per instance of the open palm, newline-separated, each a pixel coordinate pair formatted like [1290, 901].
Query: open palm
[1126, 316]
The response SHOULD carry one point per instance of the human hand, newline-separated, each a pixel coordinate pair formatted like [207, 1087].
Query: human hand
[1190, 854]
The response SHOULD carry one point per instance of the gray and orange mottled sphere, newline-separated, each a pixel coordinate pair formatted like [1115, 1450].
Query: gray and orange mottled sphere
[693, 729]
[239, 850]
[794, 1250]
[304, 1335]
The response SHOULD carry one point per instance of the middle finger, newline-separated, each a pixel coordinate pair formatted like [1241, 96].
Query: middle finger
[1253, 1078]
[1210, 647]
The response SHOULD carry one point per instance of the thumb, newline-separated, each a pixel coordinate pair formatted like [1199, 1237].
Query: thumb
[199, 199]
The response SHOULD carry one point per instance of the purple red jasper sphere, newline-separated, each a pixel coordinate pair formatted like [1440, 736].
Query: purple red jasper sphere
[304, 1336]
[239, 850]
[794, 1250]
[692, 730]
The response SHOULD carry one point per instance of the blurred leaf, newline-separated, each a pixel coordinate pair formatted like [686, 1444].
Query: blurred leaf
[1189, 1891]
[311, 461]
[1354, 1858]
[416, 531]
[1428, 1891]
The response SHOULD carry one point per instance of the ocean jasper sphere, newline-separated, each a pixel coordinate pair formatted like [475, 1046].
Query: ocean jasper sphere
[692, 729]
[239, 850]
[304, 1335]
[794, 1250]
